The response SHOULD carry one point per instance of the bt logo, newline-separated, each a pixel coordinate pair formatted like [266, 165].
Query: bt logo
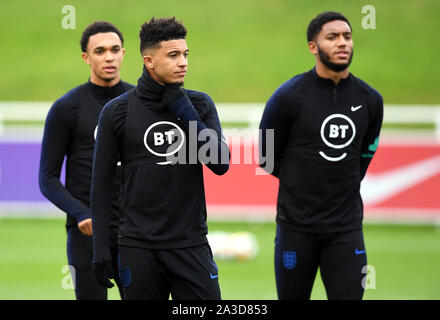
[161, 137]
[164, 138]
[337, 132]
[335, 129]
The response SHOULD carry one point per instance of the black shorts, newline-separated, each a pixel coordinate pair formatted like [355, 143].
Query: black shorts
[80, 255]
[186, 274]
[340, 256]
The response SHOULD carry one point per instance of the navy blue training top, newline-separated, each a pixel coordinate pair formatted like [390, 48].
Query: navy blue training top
[324, 137]
[69, 132]
[163, 204]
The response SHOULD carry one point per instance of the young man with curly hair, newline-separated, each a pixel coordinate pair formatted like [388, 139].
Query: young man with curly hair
[326, 126]
[70, 130]
[159, 132]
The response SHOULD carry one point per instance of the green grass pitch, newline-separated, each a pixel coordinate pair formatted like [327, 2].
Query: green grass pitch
[240, 51]
[406, 259]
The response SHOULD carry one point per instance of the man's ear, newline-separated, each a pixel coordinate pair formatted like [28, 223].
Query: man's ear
[85, 57]
[313, 47]
[148, 61]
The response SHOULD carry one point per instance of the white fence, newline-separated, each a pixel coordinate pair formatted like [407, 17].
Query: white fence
[250, 113]
[393, 114]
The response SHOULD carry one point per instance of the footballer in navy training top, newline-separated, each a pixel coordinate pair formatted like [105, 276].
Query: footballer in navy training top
[70, 131]
[326, 124]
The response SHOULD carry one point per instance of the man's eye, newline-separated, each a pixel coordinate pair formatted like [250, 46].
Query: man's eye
[98, 51]
[116, 50]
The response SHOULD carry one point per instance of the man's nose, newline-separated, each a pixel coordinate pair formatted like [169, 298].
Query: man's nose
[341, 42]
[109, 56]
[183, 61]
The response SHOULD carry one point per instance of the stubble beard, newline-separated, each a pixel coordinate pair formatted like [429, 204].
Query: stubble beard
[337, 67]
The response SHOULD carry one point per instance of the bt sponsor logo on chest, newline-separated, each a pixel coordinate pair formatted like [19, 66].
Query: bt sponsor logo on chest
[337, 132]
[164, 139]
[167, 140]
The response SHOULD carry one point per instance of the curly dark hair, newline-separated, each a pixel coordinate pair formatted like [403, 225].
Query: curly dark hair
[157, 30]
[98, 27]
[315, 26]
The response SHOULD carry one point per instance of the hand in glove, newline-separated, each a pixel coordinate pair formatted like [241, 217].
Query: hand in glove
[103, 272]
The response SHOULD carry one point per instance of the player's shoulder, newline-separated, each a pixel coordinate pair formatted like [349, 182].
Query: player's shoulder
[371, 92]
[296, 81]
[65, 108]
[68, 100]
[120, 100]
[292, 87]
[115, 111]
[118, 104]
[127, 86]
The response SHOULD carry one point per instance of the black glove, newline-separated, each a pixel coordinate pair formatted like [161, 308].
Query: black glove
[104, 271]
[174, 91]
[200, 103]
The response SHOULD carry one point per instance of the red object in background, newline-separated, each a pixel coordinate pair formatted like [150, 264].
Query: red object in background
[403, 180]
[421, 195]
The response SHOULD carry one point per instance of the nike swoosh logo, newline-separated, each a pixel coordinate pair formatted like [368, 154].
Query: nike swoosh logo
[213, 276]
[379, 187]
[357, 251]
[356, 108]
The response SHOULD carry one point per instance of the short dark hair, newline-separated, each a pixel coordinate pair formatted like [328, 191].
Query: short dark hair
[157, 30]
[98, 27]
[315, 26]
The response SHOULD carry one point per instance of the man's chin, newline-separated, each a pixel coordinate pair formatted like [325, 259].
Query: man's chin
[341, 62]
[177, 83]
[334, 66]
[337, 67]
[340, 66]
[108, 79]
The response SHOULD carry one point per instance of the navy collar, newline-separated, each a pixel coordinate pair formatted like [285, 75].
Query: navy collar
[104, 94]
[100, 89]
[148, 88]
[324, 82]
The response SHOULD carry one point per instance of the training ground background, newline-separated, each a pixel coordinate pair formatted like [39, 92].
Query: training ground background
[240, 52]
